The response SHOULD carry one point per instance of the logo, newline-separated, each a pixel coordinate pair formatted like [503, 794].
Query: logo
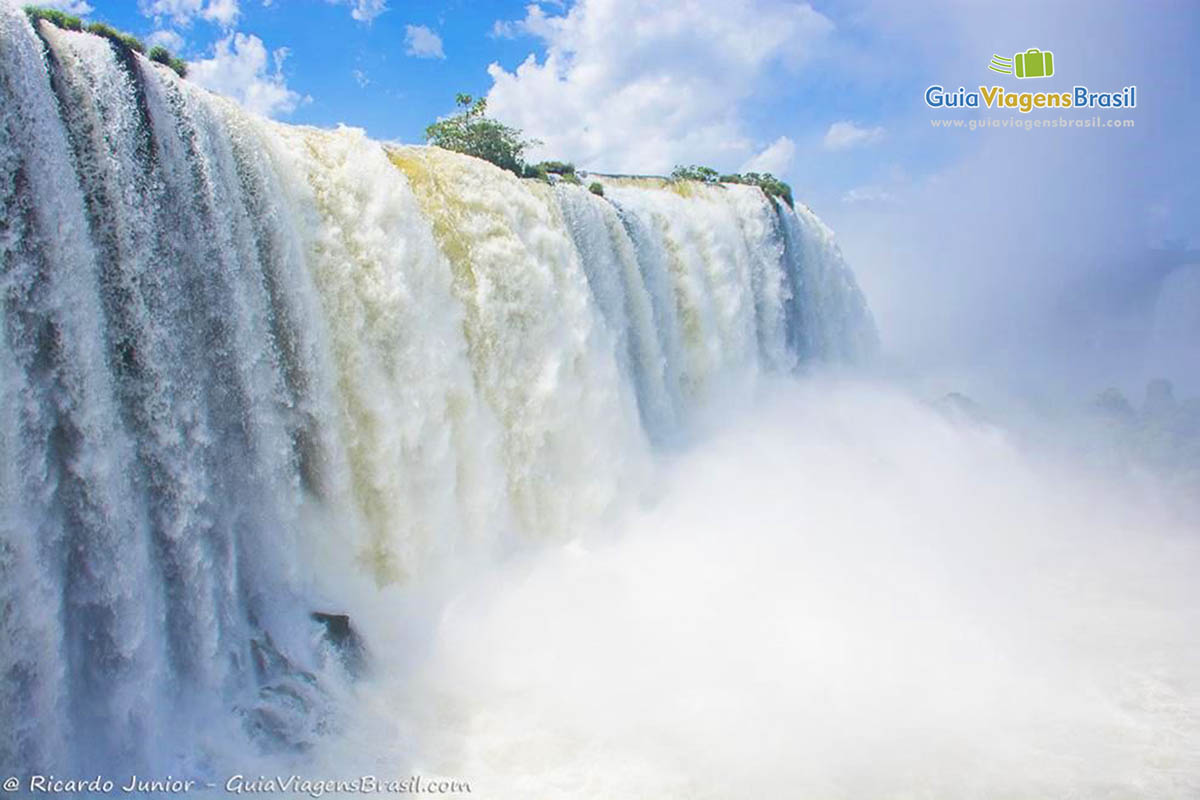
[1033, 63]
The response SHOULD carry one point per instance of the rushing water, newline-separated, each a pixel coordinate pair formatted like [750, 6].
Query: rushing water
[237, 358]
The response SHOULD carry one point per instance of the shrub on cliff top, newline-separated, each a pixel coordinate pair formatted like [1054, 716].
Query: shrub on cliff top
[694, 173]
[770, 185]
[472, 133]
[161, 55]
[124, 40]
[114, 35]
[55, 17]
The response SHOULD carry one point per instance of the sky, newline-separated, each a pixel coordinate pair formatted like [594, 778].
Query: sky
[969, 244]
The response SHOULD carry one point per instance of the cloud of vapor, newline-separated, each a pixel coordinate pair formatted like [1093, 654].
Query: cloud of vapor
[845, 594]
[1031, 254]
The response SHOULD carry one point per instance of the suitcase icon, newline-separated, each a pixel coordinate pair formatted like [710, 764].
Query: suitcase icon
[1034, 63]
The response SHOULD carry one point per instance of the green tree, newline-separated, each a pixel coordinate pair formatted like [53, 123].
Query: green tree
[694, 173]
[473, 133]
[770, 185]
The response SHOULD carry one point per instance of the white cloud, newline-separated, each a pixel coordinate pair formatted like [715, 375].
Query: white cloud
[361, 78]
[536, 23]
[364, 10]
[776, 158]
[641, 87]
[239, 69]
[182, 12]
[867, 194]
[69, 6]
[165, 38]
[844, 135]
[421, 42]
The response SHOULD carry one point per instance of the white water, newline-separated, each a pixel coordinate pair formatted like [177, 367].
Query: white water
[251, 371]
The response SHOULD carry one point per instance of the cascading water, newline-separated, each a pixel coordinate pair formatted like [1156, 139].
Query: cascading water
[234, 350]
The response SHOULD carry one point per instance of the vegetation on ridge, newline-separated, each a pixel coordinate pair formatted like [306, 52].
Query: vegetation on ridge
[768, 183]
[473, 133]
[121, 39]
[62, 19]
[565, 171]
[695, 173]
[113, 35]
[163, 56]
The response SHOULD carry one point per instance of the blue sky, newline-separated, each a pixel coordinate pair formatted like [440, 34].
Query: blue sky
[960, 238]
[392, 67]
[342, 69]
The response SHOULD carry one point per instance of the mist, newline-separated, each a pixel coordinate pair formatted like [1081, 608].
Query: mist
[845, 592]
[1031, 261]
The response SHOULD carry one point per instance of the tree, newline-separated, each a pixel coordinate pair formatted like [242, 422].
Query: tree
[694, 173]
[770, 185]
[472, 133]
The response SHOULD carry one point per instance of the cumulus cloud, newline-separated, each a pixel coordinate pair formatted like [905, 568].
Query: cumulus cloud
[69, 6]
[775, 158]
[166, 38]
[183, 12]
[364, 10]
[845, 135]
[421, 42]
[535, 23]
[242, 68]
[640, 88]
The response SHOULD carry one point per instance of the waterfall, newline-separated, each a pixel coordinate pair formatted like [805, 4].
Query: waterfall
[233, 351]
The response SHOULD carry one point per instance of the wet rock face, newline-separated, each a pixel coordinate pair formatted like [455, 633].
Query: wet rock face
[1160, 398]
[1163, 434]
[292, 709]
[1111, 403]
[344, 639]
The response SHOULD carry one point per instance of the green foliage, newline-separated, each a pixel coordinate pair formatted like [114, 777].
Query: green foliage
[472, 133]
[113, 35]
[694, 173]
[770, 185]
[542, 172]
[535, 171]
[558, 167]
[596, 189]
[163, 56]
[124, 40]
[55, 17]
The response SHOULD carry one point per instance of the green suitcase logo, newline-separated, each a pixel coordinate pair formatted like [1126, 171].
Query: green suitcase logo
[1033, 63]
